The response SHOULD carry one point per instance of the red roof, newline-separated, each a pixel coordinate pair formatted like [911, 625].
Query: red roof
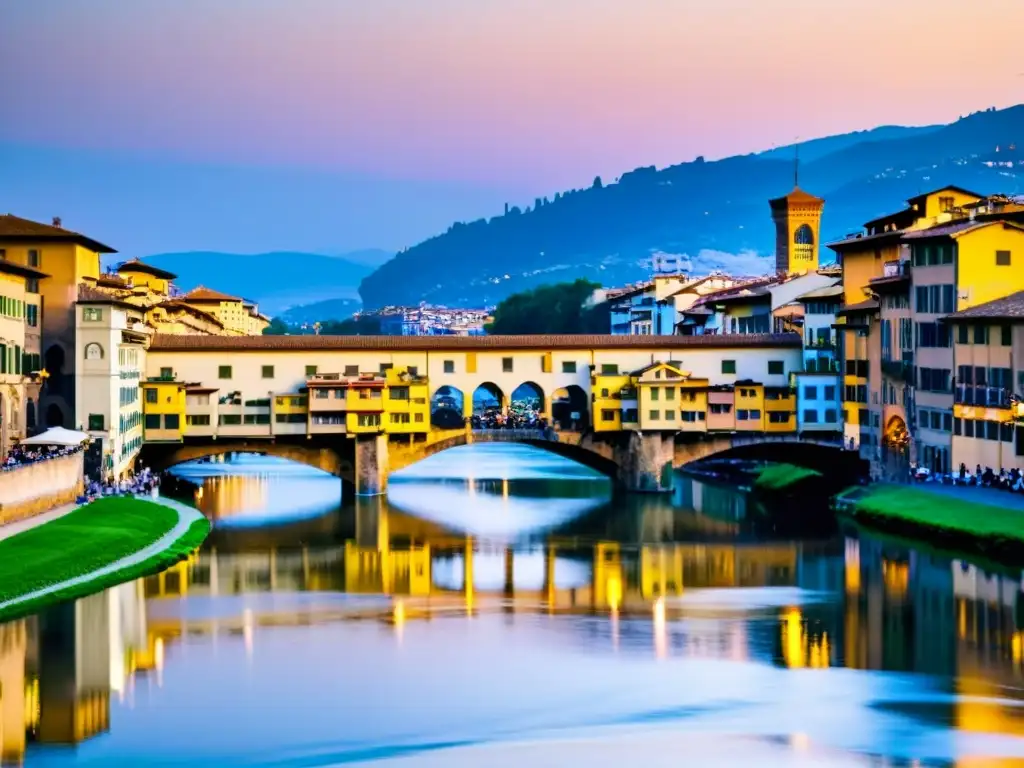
[16, 229]
[201, 293]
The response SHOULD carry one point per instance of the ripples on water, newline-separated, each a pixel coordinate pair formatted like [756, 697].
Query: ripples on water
[501, 608]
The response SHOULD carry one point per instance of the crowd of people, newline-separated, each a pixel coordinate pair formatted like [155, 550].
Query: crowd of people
[21, 455]
[145, 482]
[512, 418]
[1003, 480]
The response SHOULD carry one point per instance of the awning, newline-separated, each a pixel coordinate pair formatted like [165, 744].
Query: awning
[57, 436]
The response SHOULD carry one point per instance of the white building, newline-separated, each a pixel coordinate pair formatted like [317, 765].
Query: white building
[656, 308]
[110, 338]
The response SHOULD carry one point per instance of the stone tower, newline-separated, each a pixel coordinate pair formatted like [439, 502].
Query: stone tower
[797, 218]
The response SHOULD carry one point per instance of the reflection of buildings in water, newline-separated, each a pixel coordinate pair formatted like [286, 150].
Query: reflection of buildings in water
[224, 496]
[17, 692]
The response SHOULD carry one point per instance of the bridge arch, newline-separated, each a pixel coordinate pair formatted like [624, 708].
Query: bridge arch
[162, 456]
[529, 394]
[447, 407]
[567, 402]
[487, 395]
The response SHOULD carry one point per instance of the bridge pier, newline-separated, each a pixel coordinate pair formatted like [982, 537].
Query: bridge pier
[646, 462]
[371, 464]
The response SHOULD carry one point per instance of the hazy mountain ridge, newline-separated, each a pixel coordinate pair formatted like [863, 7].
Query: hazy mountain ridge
[277, 280]
[604, 232]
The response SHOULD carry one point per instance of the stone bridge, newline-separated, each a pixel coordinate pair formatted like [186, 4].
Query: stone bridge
[636, 461]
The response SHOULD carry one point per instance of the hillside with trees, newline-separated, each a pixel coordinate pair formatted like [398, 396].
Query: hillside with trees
[606, 232]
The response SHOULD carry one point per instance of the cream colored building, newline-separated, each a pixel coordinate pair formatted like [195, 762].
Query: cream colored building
[111, 338]
[230, 311]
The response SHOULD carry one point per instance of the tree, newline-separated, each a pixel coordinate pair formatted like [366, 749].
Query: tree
[552, 309]
[597, 183]
[277, 327]
[364, 325]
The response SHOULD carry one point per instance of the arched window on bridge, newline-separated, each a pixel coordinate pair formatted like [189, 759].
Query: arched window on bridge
[570, 408]
[487, 398]
[528, 398]
[447, 407]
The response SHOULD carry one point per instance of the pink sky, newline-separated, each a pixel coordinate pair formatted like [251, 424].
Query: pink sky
[529, 94]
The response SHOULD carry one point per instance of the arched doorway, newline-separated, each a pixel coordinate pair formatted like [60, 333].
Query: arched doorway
[54, 416]
[896, 450]
[488, 405]
[447, 407]
[570, 408]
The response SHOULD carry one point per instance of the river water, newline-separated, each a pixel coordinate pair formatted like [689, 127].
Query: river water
[502, 608]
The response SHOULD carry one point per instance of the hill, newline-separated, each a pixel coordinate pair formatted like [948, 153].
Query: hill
[329, 309]
[277, 280]
[714, 212]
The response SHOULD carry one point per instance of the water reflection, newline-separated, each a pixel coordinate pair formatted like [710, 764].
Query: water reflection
[289, 651]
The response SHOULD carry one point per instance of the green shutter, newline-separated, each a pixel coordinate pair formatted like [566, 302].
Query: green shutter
[17, 359]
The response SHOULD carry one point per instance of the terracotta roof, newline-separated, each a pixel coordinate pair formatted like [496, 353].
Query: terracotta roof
[713, 296]
[181, 343]
[113, 281]
[797, 195]
[10, 268]
[1009, 307]
[202, 293]
[862, 306]
[902, 219]
[16, 229]
[87, 294]
[140, 266]
[175, 304]
[957, 229]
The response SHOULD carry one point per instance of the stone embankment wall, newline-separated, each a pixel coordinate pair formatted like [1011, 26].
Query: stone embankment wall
[32, 489]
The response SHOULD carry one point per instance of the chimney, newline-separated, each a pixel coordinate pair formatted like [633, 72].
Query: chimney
[56, 221]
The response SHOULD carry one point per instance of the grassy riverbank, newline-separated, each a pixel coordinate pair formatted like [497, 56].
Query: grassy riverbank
[946, 521]
[783, 477]
[89, 539]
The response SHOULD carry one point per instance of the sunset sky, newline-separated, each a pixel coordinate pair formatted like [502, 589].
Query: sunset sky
[481, 100]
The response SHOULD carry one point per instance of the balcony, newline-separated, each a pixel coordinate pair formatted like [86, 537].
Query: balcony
[982, 397]
[896, 269]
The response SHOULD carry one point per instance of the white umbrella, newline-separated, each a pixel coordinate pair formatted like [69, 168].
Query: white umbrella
[57, 436]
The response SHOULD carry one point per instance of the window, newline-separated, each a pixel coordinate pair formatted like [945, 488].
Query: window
[810, 416]
[229, 419]
[670, 393]
[655, 392]
[728, 366]
[1002, 258]
[655, 415]
[92, 314]
[776, 368]
[93, 351]
[385, 367]
[742, 415]
[400, 418]
[172, 421]
[608, 414]
[351, 370]
[569, 366]
[630, 416]
[203, 419]
[418, 418]
[166, 373]
[778, 417]
[670, 415]
[1006, 335]
[720, 408]
[945, 204]
[96, 421]
[830, 415]
[153, 421]
[830, 392]
[368, 420]
[151, 395]
[755, 414]
[449, 366]
[506, 365]
[32, 315]
[810, 393]
[963, 334]
[34, 259]
[981, 334]
[609, 369]
[398, 393]
[267, 371]
[310, 370]
[224, 372]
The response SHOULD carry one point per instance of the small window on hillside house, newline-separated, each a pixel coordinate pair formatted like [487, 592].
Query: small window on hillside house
[268, 371]
[449, 366]
[776, 368]
[1002, 258]
[224, 372]
[506, 364]
[728, 366]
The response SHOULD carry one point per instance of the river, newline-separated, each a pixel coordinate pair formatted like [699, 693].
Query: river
[501, 607]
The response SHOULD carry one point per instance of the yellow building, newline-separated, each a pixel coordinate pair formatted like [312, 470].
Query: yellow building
[395, 401]
[779, 410]
[668, 397]
[797, 218]
[20, 359]
[157, 281]
[67, 258]
[231, 311]
[749, 404]
[163, 409]
[988, 355]
[615, 402]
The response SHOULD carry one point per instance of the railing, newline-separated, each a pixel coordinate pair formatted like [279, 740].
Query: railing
[985, 397]
[896, 269]
[498, 435]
